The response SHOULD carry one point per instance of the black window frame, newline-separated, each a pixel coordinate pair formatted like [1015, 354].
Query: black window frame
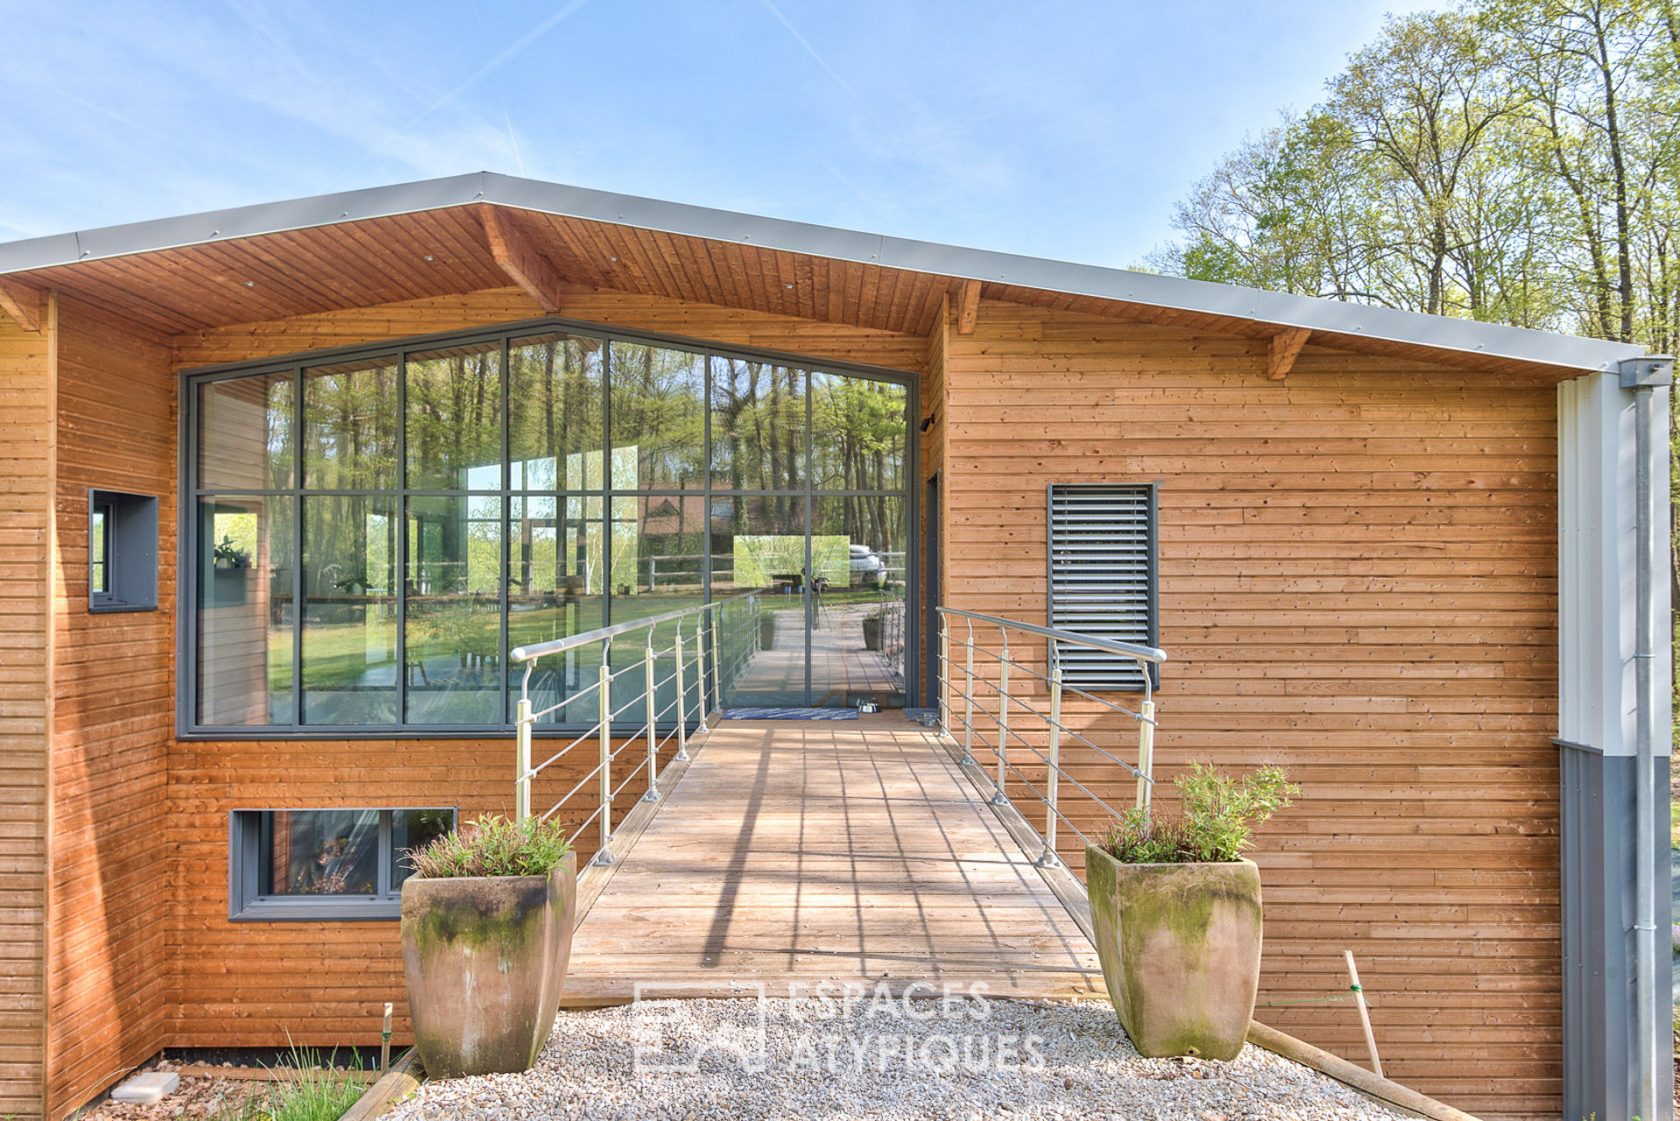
[250, 837]
[129, 562]
[187, 725]
[1151, 493]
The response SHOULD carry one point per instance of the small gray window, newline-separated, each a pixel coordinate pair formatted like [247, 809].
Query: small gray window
[324, 865]
[1102, 578]
[122, 551]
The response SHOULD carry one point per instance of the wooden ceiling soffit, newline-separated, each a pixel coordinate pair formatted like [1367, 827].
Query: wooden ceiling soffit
[516, 253]
[25, 303]
[968, 307]
[1284, 348]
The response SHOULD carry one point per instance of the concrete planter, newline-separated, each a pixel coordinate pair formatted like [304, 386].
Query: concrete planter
[485, 959]
[1180, 951]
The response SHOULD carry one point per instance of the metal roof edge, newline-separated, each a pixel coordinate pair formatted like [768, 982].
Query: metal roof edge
[1095, 281]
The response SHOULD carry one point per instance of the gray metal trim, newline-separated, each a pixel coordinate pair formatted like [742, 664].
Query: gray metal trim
[1178, 293]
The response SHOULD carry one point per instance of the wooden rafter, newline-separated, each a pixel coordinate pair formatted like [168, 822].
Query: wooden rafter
[1284, 349]
[968, 307]
[518, 256]
[25, 303]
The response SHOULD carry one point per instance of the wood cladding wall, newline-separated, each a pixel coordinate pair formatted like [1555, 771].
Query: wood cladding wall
[26, 532]
[113, 698]
[251, 983]
[1357, 581]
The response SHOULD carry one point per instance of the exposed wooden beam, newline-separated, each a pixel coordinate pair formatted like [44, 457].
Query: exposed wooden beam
[968, 307]
[23, 302]
[519, 257]
[1285, 348]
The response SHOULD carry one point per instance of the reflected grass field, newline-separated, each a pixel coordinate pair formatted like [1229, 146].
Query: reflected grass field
[344, 654]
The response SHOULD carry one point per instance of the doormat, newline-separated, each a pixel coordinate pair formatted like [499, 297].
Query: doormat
[792, 714]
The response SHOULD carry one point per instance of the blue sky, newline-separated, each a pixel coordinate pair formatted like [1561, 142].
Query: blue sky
[1060, 130]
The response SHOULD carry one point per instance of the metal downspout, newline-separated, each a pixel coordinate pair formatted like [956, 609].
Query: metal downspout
[1642, 375]
[1645, 917]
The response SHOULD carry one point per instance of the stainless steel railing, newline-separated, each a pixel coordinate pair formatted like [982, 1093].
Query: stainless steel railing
[722, 637]
[1005, 713]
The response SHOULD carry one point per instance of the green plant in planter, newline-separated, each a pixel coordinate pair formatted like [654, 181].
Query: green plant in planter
[1219, 816]
[492, 846]
[487, 936]
[226, 554]
[1176, 913]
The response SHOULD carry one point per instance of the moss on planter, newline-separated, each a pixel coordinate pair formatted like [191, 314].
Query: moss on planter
[1180, 951]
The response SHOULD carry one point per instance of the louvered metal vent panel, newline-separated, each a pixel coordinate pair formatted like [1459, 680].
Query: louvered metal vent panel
[1102, 578]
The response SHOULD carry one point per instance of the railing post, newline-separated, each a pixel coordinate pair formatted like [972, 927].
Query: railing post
[998, 795]
[968, 697]
[522, 789]
[603, 855]
[682, 700]
[717, 665]
[652, 794]
[945, 676]
[700, 670]
[1146, 753]
[1053, 776]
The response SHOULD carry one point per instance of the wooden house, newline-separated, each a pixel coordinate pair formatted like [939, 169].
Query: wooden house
[284, 483]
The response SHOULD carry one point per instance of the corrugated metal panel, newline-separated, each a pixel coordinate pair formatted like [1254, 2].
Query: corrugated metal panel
[1102, 577]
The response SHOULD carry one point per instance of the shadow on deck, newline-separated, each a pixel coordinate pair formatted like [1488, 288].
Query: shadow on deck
[851, 851]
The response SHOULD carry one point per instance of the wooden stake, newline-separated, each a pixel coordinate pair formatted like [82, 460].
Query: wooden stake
[385, 1041]
[1364, 1013]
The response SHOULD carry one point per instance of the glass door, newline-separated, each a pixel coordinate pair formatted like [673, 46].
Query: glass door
[809, 508]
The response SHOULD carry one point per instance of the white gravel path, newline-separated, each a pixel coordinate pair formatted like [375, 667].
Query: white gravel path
[702, 1060]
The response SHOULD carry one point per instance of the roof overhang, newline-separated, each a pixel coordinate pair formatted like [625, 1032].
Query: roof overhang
[48, 261]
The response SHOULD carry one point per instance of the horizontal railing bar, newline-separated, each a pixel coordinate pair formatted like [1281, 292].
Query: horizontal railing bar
[575, 697]
[556, 756]
[1074, 638]
[1039, 796]
[601, 634]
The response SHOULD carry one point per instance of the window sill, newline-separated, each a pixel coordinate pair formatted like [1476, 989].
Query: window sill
[119, 608]
[319, 910]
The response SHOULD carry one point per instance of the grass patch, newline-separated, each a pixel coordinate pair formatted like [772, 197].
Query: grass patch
[312, 1089]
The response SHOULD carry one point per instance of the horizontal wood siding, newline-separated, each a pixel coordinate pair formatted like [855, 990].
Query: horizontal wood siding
[1357, 581]
[114, 718]
[253, 983]
[26, 502]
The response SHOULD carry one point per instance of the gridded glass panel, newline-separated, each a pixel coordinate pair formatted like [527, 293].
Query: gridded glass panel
[322, 852]
[763, 539]
[659, 546]
[858, 432]
[758, 425]
[350, 609]
[350, 425]
[858, 622]
[245, 432]
[414, 829]
[245, 570]
[452, 435]
[453, 610]
[556, 574]
[658, 418]
[554, 412]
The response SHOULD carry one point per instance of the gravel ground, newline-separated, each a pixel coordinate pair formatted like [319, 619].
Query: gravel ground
[701, 1060]
[197, 1097]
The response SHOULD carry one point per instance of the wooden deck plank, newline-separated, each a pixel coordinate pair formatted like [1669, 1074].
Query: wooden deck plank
[849, 851]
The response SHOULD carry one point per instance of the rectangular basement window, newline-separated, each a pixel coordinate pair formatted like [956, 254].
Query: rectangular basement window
[324, 865]
[1102, 548]
[122, 551]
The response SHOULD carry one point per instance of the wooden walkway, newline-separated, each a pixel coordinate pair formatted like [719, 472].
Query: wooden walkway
[832, 850]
